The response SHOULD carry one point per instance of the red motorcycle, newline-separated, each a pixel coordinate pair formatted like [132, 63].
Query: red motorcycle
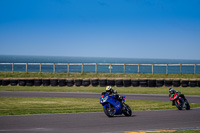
[180, 101]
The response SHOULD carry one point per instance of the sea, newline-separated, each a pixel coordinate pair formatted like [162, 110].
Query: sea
[118, 65]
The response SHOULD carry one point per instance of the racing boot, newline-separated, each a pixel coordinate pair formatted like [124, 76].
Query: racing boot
[173, 103]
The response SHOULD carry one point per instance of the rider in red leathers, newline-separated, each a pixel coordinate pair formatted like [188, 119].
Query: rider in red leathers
[173, 94]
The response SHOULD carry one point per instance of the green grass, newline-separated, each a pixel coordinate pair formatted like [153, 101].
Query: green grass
[93, 75]
[135, 90]
[41, 105]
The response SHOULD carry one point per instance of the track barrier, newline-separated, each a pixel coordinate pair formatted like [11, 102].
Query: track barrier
[102, 82]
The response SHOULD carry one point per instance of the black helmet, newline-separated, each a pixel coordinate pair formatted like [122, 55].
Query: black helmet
[171, 90]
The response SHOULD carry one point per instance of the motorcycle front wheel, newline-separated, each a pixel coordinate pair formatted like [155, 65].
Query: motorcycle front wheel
[109, 111]
[127, 111]
[179, 106]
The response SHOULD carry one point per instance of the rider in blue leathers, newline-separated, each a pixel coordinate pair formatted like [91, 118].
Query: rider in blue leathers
[114, 93]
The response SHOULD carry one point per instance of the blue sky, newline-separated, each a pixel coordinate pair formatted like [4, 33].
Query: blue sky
[163, 29]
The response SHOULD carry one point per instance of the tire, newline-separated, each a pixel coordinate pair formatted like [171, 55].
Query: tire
[22, 82]
[159, 82]
[119, 82]
[176, 83]
[86, 82]
[62, 82]
[168, 82]
[70, 82]
[108, 112]
[54, 82]
[111, 82]
[198, 82]
[5, 82]
[78, 82]
[193, 83]
[46, 82]
[13, 82]
[179, 106]
[127, 82]
[135, 82]
[29, 82]
[0, 81]
[187, 105]
[128, 111]
[103, 82]
[143, 82]
[37, 82]
[152, 83]
[184, 83]
[95, 82]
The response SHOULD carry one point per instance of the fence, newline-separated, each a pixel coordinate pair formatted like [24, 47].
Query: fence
[102, 68]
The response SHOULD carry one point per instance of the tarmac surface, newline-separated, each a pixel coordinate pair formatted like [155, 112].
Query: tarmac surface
[99, 122]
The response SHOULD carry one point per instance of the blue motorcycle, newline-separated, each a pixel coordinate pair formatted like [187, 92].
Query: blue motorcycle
[112, 106]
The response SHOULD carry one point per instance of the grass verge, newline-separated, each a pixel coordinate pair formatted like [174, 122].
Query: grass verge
[135, 90]
[41, 105]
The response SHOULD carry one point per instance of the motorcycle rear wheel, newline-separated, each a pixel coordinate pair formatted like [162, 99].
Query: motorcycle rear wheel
[187, 105]
[127, 111]
[109, 111]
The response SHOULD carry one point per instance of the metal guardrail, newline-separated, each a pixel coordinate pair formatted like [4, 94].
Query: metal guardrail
[110, 66]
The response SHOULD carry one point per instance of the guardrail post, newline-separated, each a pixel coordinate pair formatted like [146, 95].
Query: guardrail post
[82, 68]
[26, 67]
[96, 68]
[54, 67]
[167, 69]
[40, 67]
[195, 66]
[152, 69]
[138, 68]
[12, 67]
[124, 68]
[180, 68]
[110, 68]
[68, 68]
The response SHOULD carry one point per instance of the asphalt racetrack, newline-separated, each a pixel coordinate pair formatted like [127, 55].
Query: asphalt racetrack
[99, 122]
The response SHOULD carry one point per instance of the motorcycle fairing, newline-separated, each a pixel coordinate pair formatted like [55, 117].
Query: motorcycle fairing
[107, 100]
